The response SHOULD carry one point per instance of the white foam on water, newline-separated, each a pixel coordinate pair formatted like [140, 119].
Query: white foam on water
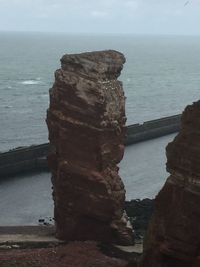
[8, 106]
[31, 82]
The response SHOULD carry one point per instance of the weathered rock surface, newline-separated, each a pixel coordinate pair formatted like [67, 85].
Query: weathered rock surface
[139, 213]
[174, 234]
[86, 122]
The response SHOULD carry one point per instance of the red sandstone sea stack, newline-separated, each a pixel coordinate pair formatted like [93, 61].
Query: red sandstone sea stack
[86, 122]
[173, 238]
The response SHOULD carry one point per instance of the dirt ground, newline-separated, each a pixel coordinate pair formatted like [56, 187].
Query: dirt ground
[74, 254]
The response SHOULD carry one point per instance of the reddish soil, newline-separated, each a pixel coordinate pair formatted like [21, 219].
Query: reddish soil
[74, 254]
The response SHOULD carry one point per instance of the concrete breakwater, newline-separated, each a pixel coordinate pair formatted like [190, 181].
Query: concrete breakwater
[33, 158]
[152, 129]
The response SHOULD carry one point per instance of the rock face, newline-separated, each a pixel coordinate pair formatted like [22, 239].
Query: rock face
[139, 213]
[174, 235]
[86, 122]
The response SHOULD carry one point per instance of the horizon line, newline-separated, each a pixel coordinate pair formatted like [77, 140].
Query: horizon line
[101, 33]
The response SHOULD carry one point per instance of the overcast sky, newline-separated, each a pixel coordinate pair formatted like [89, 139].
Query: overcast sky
[102, 16]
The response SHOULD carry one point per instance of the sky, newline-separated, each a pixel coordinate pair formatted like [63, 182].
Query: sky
[180, 17]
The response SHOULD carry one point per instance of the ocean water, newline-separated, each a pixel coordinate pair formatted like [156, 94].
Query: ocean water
[161, 76]
[26, 199]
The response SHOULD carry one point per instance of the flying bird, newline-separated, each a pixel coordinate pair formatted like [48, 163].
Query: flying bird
[186, 3]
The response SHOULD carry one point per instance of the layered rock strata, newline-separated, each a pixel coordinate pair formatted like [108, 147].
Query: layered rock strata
[174, 234]
[86, 122]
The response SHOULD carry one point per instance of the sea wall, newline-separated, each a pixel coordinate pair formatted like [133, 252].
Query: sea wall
[33, 158]
[152, 129]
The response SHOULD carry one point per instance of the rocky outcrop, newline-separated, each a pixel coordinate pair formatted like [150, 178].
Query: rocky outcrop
[86, 122]
[174, 234]
[139, 213]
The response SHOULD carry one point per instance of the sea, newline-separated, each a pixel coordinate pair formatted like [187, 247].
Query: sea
[160, 77]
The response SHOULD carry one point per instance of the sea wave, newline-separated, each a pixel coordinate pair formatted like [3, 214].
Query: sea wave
[31, 82]
[8, 106]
